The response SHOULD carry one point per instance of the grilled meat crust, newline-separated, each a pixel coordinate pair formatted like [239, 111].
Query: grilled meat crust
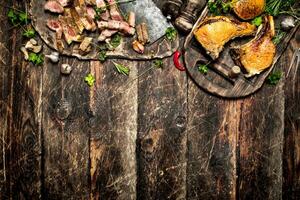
[249, 9]
[258, 54]
[214, 32]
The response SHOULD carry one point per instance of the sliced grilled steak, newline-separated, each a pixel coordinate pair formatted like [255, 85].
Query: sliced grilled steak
[54, 7]
[116, 25]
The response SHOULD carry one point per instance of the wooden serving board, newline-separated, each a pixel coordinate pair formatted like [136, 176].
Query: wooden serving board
[217, 81]
[160, 49]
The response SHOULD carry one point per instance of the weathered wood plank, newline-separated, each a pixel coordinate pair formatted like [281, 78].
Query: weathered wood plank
[113, 105]
[22, 128]
[161, 139]
[260, 144]
[6, 80]
[291, 154]
[65, 132]
[212, 140]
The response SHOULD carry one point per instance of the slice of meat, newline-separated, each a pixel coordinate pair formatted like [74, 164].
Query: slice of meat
[258, 54]
[249, 9]
[77, 20]
[54, 7]
[214, 32]
[100, 4]
[116, 25]
[91, 12]
[64, 3]
[87, 22]
[114, 10]
[69, 31]
[105, 34]
[131, 19]
[90, 2]
[59, 43]
[85, 45]
[54, 25]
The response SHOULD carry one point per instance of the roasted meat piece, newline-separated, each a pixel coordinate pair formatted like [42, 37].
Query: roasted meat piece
[64, 3]
[214, 32]
[258, 54]
[102, 6]
[249, 9]
[69, 31]
[116, 25]
[114, 10]
[105, 34]
[56, 26]
[54, 6]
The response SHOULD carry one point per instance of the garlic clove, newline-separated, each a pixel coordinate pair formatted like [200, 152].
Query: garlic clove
[37, 49]
[66, 69]
[54, 57]
[138, 47]
[33, 41]
[287, 23]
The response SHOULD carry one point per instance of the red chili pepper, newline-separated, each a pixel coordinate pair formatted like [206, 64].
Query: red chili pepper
[177, 64]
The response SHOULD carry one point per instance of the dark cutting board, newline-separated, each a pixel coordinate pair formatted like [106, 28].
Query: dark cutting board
[160, 49]
[217, 81]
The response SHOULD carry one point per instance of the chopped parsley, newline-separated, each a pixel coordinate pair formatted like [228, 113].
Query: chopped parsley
[171, 33]
[29, 33]
[203, 69]
[257, 21]
[279, 36]
[274, 78]
[90, 80]
[115, 40]
[36, 59]
[158, 63]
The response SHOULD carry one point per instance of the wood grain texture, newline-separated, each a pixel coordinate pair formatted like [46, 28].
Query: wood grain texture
[22, 129]
[113, 106]
[161, 143]
[6, 101]
[291, 154]
[65, 131]
[212, 140]
[260, 144]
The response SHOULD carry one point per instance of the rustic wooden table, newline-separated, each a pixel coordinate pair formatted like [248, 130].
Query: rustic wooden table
[154, 136]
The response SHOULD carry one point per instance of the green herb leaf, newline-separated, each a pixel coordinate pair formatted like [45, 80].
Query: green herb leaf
[171, 33]
[158, 63]
[257, 21]
[115, 40]
[12, 16]
[23, 17]
[102, 55]
[278, 37]
[90, 80]
[218, 7]
[36, 59]
[122, 69]
[203, 68]
[29, 33]
[274, 78]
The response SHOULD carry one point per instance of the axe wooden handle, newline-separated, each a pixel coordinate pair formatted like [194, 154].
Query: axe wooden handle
[189, 14]
[171, 8]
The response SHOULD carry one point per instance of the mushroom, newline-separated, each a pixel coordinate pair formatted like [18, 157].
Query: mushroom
[34, 48]
[33, 41]
[53, 57]
[25, 52]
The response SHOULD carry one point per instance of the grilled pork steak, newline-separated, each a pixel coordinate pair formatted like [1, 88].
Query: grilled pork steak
[54, 7]
[258, 54]
[214, 32]
[249, 9]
